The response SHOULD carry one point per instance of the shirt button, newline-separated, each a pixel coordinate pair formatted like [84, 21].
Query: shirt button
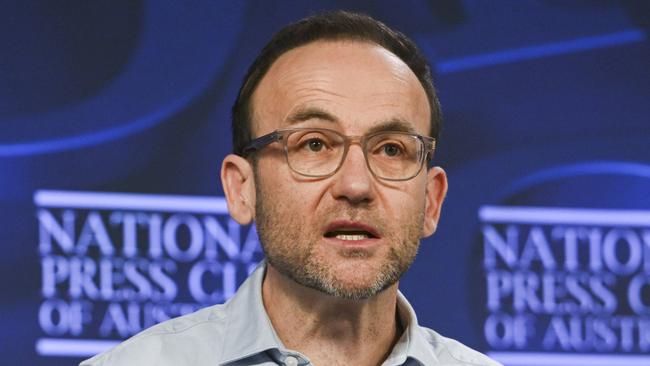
[291, 361]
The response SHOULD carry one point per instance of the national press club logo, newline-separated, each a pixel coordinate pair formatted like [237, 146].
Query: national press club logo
[114, 264]
[566, 285]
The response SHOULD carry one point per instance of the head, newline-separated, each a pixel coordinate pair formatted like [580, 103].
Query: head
[349, 234]
[333, 26]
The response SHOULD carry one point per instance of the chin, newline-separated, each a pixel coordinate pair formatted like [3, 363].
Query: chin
[358, 282]
[357, 291]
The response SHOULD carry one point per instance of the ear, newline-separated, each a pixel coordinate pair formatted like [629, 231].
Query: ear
[436, 190]
[238, 183]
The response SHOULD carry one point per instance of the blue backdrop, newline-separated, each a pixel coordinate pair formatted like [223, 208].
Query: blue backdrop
[544, 243]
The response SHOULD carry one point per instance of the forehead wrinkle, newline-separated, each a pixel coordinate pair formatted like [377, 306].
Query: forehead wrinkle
[316, 91]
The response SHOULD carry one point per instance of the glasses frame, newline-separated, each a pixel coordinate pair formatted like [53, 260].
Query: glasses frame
[428, 145]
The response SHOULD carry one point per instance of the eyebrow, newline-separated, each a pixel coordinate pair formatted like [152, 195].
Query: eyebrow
[394, 124]
[309, 113]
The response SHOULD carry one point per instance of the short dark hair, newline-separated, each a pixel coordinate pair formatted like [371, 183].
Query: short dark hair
[338, 25]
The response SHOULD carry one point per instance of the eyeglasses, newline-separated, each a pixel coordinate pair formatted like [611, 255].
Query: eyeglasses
[320, 152]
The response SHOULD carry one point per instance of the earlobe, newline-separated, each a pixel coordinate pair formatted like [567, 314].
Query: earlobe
[238, 183]
[436, 190]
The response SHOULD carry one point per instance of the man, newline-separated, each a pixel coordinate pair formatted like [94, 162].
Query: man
[333, 129]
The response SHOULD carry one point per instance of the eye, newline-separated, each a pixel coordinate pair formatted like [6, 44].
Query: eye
[311, 142]
[391, 150]
[315, 145]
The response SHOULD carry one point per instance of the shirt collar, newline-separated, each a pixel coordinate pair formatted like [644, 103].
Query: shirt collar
[248, 329]
[413, 343]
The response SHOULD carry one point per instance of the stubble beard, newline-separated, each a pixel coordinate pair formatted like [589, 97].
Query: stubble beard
[292, 253]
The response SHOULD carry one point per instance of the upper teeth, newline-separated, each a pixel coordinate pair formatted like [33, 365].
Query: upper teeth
[351, 236]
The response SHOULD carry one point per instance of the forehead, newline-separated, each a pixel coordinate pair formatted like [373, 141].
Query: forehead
[359, 84]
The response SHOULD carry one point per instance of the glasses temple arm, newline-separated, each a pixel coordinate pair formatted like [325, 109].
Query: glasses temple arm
[260, 142]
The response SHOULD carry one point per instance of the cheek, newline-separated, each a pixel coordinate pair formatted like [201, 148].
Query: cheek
[278, 183]
[272, 174]
[409, 199]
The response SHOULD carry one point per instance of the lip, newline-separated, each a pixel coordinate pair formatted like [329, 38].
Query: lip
[346, 225]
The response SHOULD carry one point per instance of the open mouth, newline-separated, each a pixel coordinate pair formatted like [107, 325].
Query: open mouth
[350, 231]
[349, 235]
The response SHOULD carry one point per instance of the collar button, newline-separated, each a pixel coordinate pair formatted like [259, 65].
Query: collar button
[291, 361]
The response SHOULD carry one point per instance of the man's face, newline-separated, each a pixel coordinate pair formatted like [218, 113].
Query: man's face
[350, 234]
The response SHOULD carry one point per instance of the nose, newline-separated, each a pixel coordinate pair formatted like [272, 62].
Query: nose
[353, 181]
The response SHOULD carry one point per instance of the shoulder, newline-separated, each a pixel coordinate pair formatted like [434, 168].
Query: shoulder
[194, 337]
[451, 352]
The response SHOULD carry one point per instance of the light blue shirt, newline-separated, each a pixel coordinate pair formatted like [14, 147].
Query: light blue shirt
[240, 333]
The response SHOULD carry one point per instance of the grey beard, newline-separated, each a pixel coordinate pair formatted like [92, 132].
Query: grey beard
[387, 277]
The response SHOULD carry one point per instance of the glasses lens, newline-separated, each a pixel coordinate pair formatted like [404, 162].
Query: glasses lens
[314, 152]
[394, 155]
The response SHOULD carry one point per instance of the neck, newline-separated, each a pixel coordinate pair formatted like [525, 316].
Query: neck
[331, 330]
